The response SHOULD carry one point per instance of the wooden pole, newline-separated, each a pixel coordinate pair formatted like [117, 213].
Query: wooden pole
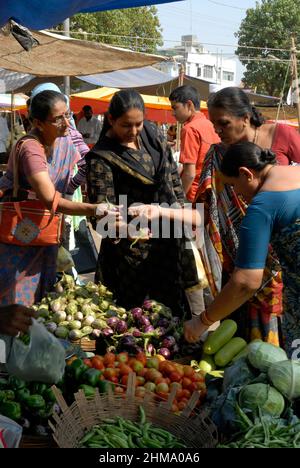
[295, 77]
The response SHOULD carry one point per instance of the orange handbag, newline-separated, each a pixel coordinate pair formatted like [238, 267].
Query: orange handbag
[29, 222]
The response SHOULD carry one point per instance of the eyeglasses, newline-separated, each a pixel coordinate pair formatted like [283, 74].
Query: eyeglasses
[60, 119]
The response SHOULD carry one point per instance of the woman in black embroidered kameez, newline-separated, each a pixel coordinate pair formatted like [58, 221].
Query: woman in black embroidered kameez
[131, 158]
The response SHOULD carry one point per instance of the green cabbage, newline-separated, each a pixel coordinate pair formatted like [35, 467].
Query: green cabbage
[262, 355]
[285, 376]
[264, 396]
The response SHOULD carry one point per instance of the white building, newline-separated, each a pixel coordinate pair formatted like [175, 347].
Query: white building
[200, 63]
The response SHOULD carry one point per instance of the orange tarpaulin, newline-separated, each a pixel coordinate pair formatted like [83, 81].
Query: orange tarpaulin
[158, 108]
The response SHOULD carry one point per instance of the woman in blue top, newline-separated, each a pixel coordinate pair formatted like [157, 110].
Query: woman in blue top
[273, 216]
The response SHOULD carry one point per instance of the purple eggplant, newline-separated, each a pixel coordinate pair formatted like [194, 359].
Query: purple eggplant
[136, 333]
[107, 332]
[137, 313]
[149, 329]
[121, 327]
[150, 350]
[165, 323]
[175, 349]
[127, 341]
[165, 352]
[96, 333]
[160, 331]
[113, 322]
[144, 321]
[148, 304]
[168, 342]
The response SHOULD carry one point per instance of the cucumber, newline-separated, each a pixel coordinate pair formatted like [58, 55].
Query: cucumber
[243, 353]
[207, 363]
[220, 337]
[225, 355]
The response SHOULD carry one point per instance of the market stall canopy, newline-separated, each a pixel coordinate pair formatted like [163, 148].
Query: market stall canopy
[146, 76]
[9, 81]
[158, 108]
[18, 102]
[165, 89]
[36, 14]
[61, 56]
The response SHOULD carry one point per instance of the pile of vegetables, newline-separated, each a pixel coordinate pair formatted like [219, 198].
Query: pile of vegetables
[266, 432]
[260, 389]
[74, 312]
[153, 374]
[220, 349]
[30, 404]
[122, 433]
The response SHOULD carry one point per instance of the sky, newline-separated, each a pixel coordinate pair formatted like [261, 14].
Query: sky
[213, 21]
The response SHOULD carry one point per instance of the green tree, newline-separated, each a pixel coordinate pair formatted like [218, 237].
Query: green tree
[268, 26]
[133, 28]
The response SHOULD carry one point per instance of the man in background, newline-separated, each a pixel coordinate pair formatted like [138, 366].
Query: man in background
[197, 136]
[89, 126]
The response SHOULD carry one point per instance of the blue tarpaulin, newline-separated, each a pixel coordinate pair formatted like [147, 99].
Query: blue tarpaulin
[38, 14]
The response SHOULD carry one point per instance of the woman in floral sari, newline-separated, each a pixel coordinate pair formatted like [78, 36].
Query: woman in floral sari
[273, 216]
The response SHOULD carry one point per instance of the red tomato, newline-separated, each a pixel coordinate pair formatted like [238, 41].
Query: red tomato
[109, 359]
[162, 396]
[186, 382]
[109, 373]
[88, 363]
[167, 367]
[140, 381]
[150, 386]
[140, 392]
[124, 380]
[152, 375]
[175, 377]
[123, 357]
[186, 394]
[136, 365]
[119, 390]
[153, 362]
[142, 372]
[142, 357]
[97, 363]
[188, 372]
[124, 369]
[162, 388]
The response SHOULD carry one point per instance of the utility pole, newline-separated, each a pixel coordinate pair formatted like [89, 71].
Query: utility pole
[67, 78]
[295, 78]
[179, 126]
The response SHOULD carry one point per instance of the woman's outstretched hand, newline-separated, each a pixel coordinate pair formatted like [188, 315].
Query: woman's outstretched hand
[15, 318]
[194, 329]
[147, 212]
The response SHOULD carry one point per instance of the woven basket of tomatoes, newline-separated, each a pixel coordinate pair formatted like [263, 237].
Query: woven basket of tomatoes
[192, 428]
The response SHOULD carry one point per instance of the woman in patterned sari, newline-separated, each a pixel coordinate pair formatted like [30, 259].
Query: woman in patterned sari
[132, 159]
[235, 120]
[273, 216]
[28, 272]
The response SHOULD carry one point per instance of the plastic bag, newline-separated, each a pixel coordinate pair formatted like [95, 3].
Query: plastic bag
[42, 360]
[64, 261]
[10, 433]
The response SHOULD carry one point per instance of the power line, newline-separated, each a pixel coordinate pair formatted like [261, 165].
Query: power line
[265, 48]
[226, 5]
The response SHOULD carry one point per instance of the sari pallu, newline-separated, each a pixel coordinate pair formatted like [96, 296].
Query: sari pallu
[160, 268]
[286, 243]
[258, 319]
[28, 273]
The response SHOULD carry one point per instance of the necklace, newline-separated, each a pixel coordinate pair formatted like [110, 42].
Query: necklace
[255, 138]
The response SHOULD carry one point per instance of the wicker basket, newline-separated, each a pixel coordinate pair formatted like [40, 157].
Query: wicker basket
[194, 429]
[85, 344]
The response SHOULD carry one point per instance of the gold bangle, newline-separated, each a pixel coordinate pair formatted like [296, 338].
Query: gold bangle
[205, 320]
